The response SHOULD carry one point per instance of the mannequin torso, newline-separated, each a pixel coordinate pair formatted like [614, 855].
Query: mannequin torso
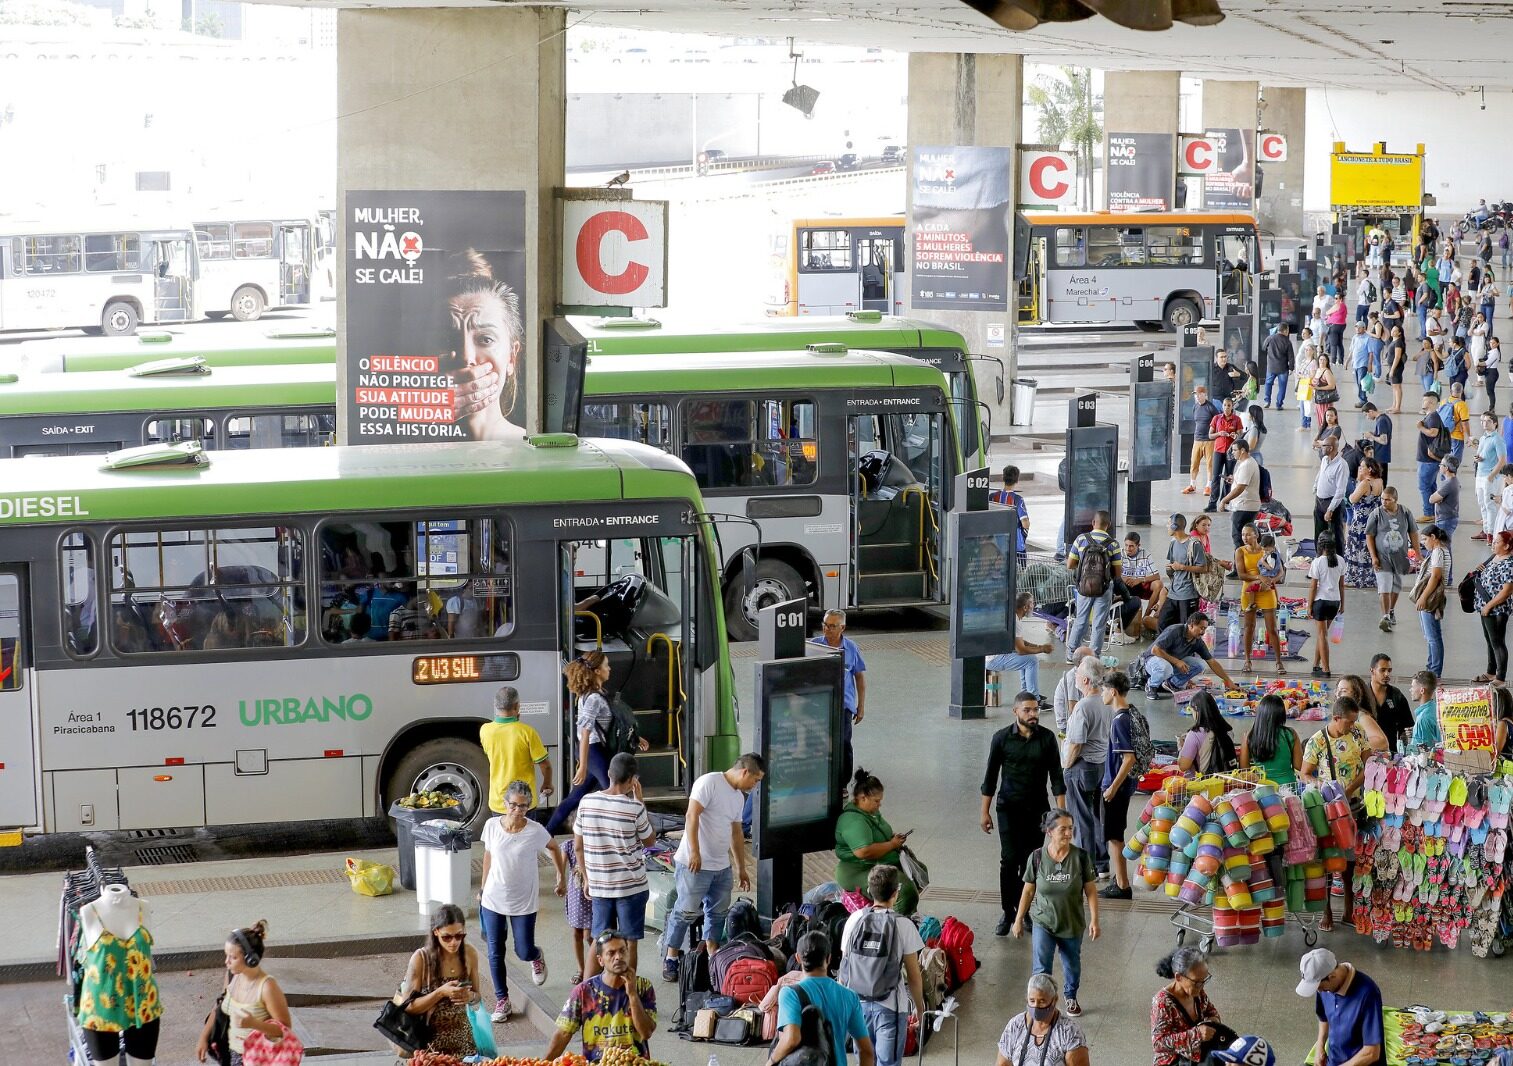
[117, 911]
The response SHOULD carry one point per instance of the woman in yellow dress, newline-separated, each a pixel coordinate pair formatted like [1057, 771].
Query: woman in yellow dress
[1258, 594]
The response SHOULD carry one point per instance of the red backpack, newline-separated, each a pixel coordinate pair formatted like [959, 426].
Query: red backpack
[743, 969]
[956, 939]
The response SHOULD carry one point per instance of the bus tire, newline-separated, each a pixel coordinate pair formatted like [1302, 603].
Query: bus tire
[773, 582]
[216, 316]
[247, 304]
[444, 764]
[1181, 312]
[119, 319]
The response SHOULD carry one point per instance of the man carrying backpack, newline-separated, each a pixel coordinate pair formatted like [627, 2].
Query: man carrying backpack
[816, 1015]
[879, 951]
[1094, 564]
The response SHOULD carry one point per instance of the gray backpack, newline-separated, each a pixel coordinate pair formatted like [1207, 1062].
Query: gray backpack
[872, 961]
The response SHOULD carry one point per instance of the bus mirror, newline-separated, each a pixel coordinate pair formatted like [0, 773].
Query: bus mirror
[998, 387]
[748, 570]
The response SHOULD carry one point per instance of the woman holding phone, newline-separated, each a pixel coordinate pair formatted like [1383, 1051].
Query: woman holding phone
[864, 839]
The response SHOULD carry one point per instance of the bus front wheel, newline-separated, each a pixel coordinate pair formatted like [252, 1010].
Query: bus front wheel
[247, 304]
[119, 320]
[449, 765]
[773, 582]
[1182, 312]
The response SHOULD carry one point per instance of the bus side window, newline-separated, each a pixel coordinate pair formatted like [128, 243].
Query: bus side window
[252, 240]
[175, 430]
[646, 423]
[1070, 251]
[76, 567]
[745, 443]
[825, 249]
[11, 660]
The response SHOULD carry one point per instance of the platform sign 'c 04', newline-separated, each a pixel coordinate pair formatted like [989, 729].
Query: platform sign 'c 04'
[614, 249]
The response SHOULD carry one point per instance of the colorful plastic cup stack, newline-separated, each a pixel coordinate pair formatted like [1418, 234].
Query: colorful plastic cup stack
[1275, 810]
[1262, 888]
[1229, 823]
[1313, 806]
[1315, 886]
[1252, 820]
[1195, 888]
[1273, 918]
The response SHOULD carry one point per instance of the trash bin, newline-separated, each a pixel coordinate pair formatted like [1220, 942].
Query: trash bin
[405, 821]
[443, 864]
[1022, 401]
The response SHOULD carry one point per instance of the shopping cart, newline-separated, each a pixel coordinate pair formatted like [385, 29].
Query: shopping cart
[1197, 919]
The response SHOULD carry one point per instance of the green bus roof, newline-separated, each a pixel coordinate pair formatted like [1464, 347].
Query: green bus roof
[336, 480]
[224, 388]
[707, 372]
[637, 336]
[277, 347]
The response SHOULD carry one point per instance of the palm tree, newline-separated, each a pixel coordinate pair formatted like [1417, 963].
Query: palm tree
[1069, 114]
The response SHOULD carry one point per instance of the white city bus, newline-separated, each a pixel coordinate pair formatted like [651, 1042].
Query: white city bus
[248, 265]
[1169, 269]
[101, 275]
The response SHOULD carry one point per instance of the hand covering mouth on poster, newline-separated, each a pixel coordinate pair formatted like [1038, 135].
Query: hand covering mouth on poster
[436, 342]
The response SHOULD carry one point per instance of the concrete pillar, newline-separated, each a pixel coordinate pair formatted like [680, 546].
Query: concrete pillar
[1140, 101]
[967, 99]
[1230, 104]
[458, 98]
[1281, 201]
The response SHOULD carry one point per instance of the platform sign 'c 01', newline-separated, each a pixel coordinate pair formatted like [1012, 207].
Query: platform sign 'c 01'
[437, 316]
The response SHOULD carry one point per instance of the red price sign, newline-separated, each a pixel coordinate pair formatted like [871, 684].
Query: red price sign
[1477, 737]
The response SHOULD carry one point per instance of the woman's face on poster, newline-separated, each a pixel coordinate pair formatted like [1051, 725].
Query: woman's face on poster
[481, 332]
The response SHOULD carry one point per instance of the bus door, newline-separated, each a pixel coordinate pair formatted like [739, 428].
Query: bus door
[876, 255]
[898, 486]
[1031, 288]
[1235, 272]
[633, 599]
[19, 767]
[172, 277]
[294, 264]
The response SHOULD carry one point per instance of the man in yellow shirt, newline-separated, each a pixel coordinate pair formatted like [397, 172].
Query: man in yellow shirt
[514, 750]
[1461, 430]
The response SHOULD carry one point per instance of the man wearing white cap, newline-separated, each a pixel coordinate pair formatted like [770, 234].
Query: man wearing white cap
[1349, 1006]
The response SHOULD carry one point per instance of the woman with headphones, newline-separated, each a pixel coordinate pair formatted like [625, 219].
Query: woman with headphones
[252, 999]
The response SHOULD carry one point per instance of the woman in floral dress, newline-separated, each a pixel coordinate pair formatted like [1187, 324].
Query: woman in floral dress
[1364, 502]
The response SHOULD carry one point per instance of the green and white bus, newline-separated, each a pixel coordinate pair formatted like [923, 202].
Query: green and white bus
[288, 635]
[837, 464]
[942, 348]
[222, 408]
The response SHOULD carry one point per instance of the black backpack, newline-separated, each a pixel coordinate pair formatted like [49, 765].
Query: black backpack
[620, 734]
[816, 1040]
[1265, 484]
[1095, 568]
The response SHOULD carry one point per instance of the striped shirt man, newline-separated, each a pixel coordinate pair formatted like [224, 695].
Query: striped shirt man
[612, 828]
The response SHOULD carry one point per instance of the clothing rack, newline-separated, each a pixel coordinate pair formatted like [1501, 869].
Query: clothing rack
[80, 888]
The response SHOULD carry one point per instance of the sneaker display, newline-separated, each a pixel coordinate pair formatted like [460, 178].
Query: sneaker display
[538, 968]
[502, 1010]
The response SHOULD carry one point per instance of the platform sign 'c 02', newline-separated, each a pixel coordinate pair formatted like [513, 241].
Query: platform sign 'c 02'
[614, 250]
[1047, 179]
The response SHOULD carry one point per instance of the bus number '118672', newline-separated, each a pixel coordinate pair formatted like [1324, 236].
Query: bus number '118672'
[172, 717]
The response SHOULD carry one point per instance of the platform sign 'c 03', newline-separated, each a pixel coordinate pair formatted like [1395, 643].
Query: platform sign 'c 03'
[614, 249]
[1047, 179]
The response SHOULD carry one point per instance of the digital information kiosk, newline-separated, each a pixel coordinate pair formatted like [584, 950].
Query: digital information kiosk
[1092, 467]
[1151, 403]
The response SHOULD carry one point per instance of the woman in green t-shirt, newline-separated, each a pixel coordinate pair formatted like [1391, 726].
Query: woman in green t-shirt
[864, 839]
[1061, 900]
[1272, 746]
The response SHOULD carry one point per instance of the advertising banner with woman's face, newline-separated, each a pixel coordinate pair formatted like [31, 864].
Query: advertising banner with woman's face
[436, 316]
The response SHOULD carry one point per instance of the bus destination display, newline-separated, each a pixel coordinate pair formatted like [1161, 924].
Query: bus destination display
[799, 750]
[461, 669]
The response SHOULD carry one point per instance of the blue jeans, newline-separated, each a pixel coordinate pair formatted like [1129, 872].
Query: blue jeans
[623, 914]
[708, 890]
[1423, 321]
[1426, 381]
[496, 930]
[889, 1030]
[1360, 385]
[1027, 665]
[596, 779]
[1045, 946]
[1434, 637]
[1159, 671]
[1281, 380]
[1449, 525]
[1090, 610]
[1426, 475]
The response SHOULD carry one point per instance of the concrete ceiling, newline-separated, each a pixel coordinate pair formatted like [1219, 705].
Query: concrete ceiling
[1445, 45]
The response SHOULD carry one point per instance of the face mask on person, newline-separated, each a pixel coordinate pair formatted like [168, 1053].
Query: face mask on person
[1040, 1014]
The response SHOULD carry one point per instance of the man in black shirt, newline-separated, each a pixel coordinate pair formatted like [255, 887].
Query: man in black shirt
[1022, 762]
[1226, 379]
[1393, 712]
[1279, 358]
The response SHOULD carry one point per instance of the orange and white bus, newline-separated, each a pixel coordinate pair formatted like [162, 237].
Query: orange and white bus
[833, 266]
[1169, 269]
